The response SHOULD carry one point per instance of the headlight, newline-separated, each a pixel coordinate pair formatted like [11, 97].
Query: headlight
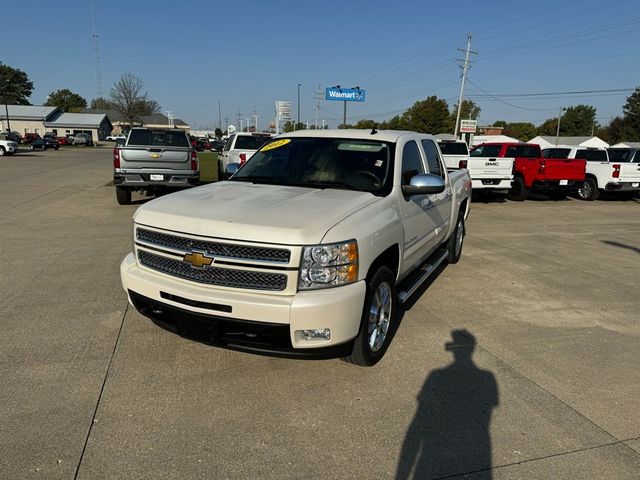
[330, 265]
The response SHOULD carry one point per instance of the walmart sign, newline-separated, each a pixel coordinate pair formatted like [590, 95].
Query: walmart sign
[345, 94]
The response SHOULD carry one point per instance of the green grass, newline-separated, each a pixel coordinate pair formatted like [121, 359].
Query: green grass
[208, 166]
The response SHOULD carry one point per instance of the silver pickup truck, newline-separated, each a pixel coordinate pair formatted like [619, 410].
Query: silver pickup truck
[153, 159]
[308, 250]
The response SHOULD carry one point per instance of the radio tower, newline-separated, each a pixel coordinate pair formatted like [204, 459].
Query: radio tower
[96, 51]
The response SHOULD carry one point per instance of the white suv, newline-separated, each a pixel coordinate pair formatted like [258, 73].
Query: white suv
[239, 148]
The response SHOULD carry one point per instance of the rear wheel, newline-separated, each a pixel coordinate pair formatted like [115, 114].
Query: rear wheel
[588, 190]
[518, 191]
[2, 151]
[378, 317]
[123, 195]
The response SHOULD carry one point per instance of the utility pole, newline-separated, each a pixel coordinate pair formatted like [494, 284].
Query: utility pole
[318, 98]
[560, 110]
[255, 118]
[465, 69]
[296, 125]
[219, 116]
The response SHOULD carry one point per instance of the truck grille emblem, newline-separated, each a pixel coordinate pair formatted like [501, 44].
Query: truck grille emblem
[197, 259]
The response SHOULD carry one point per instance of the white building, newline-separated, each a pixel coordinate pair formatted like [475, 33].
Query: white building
[550, 141]
[478, 139]
[626, 145]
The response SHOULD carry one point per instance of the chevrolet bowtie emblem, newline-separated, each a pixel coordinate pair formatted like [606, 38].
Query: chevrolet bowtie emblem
[197, 259]
[155, 155]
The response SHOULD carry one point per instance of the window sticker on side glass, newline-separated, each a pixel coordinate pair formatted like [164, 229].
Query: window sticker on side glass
[276, 144]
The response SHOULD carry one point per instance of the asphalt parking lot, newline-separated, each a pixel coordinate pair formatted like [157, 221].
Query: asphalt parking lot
[92, 390]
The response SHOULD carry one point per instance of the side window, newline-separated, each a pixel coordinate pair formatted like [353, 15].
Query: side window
[433, 159]
[547, 153]
[227, 145]
[411, 162]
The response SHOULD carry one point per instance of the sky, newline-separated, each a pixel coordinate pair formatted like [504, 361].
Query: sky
[246, 55]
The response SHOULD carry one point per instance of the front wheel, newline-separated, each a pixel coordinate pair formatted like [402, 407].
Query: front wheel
[2, 151]
[588, 190]
[518, 191]
[378, 317]
[454, 244]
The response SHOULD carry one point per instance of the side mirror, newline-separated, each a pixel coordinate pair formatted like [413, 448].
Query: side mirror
[231, 170]
[424, 185]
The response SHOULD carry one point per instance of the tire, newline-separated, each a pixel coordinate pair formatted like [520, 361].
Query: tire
[518, 191]
[2, 151]
[32, 147]
[454, 244]
[123, 195]
[378, 317]
[588, 191]
[557, 195]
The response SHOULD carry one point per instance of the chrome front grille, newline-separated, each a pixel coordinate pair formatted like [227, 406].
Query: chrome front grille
[215, 249]
[212, 275]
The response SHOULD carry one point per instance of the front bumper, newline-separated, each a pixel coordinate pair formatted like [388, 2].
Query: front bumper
[177, 180]
[247, 320]
[491, 183]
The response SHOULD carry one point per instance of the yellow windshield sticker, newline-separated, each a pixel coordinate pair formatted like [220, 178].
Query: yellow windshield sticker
[276, 144]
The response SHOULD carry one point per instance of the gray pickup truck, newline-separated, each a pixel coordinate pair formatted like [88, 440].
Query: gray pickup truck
[154, 159]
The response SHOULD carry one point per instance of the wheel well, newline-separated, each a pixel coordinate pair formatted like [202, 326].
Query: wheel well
[390, 258]
[463, 207]
[591, 177]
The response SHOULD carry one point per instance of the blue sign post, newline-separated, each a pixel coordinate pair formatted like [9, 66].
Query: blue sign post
[345, 95]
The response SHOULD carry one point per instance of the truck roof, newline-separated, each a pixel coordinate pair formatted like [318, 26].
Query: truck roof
[355, 133]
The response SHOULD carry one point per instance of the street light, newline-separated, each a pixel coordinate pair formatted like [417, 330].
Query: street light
[562, 109]
[296, 125]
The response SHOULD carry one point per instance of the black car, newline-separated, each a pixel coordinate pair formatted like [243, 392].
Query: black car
[44, 144]
[216, 145]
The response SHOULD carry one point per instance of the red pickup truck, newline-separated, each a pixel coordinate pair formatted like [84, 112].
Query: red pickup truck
[556, 177]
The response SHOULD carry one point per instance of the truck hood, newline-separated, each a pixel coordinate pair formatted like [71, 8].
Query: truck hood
[257, 213]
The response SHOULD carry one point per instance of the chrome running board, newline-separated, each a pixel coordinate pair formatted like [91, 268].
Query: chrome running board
[424, 272]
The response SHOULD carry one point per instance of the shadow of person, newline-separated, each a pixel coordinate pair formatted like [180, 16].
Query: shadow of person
[450, 433]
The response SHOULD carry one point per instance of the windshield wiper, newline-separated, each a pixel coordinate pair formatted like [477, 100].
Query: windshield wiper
[255, 179]
[339, 185]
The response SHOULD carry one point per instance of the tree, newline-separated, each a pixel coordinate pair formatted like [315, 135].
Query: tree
[631, 116]
[365, 124]
[66, 100]
[101, 103]
[578, 120]
[427, 116]
[524, 131]
[395, 123]
[500, 123]
[548, 127]
[218, 133]
[15, 86]
[619, 130]
[290, 126]
[129, 99]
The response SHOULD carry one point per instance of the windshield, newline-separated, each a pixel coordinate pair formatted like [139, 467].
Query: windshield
[253, 142]
[158, 138]
[361, 165]
[619, 155]
[454, 148]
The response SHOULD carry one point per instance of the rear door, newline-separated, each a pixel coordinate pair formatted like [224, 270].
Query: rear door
[157, 150]
[443, 200]
[485, 163]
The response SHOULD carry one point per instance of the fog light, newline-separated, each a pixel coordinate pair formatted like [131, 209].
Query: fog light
[316, 333]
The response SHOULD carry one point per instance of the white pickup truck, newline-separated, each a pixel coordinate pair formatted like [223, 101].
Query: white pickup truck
[488, 171]
[455, 153]
[306, 250]
[602, 174]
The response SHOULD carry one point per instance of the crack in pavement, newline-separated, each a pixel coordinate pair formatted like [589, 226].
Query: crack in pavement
[104, 382]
